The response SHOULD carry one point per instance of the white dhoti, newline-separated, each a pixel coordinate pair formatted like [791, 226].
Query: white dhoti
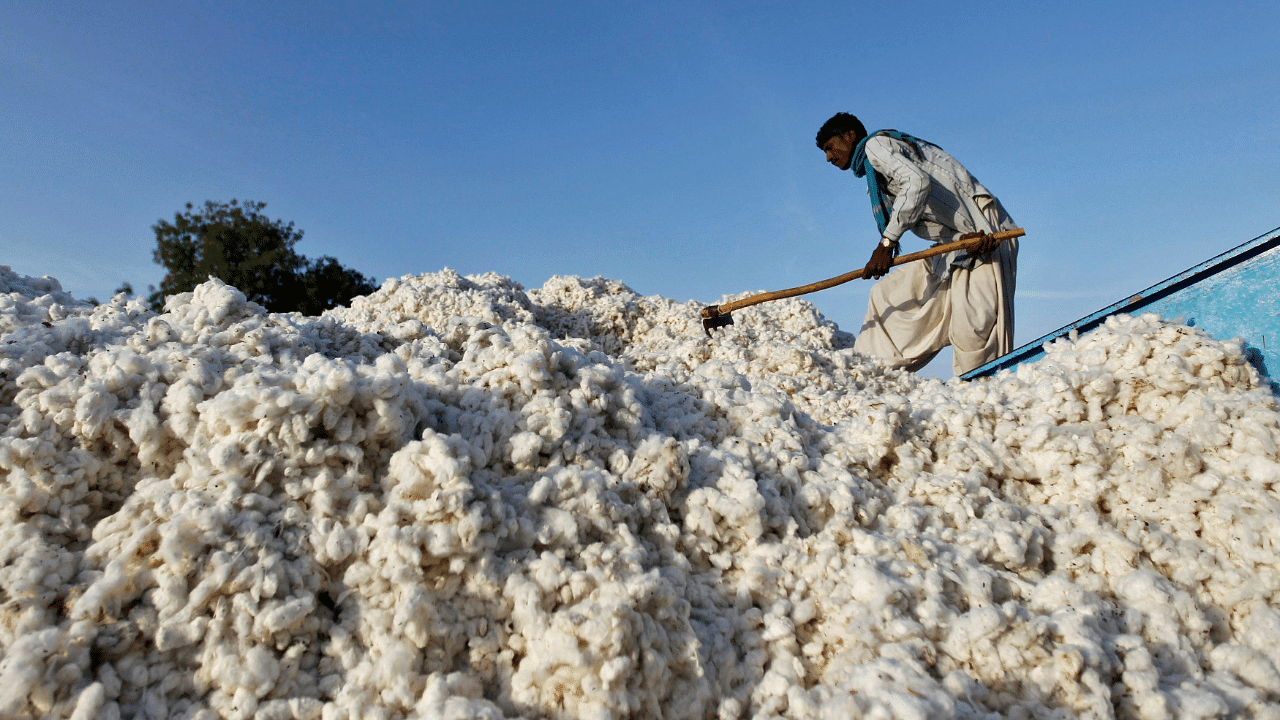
[920, 308]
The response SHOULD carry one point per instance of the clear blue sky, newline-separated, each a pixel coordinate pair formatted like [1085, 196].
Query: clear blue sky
[665, 144]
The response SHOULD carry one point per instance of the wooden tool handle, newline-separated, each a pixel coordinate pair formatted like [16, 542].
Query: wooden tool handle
[841, 279]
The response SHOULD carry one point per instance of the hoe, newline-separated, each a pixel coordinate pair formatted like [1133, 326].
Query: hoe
[717, 316]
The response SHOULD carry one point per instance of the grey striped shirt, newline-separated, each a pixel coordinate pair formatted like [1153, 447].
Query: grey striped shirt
[936, 198]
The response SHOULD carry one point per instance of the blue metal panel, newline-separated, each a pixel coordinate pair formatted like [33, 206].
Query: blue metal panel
[1236, 294]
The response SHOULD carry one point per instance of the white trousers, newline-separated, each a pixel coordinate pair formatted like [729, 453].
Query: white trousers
[920, 308]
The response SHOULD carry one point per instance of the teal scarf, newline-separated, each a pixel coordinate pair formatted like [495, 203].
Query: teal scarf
[861, 166]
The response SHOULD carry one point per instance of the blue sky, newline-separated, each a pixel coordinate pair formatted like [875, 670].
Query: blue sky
[668, 145]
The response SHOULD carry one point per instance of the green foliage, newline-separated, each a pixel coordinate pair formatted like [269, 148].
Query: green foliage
[326, 285]
[237, 244]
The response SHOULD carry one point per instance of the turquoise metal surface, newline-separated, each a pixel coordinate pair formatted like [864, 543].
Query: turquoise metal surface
[1234, 295]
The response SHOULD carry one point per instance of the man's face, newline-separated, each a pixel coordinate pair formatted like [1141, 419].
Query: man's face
[839, 150]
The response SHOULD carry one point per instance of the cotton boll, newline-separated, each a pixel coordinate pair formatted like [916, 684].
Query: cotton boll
[659, 465]
[525, 448]
[89, 702]
[171, 637]
[1194, 700]
[455, 697]
[218, 299]
[1247, 664]
[288, 614]
[965, 688]
[888, 689]
[1257, 627]
[872, 588]
[22, 667]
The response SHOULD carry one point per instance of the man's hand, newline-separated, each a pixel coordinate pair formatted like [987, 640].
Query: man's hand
[881, 261]
[983, 249]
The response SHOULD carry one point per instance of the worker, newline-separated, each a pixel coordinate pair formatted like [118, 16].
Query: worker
[961, 299]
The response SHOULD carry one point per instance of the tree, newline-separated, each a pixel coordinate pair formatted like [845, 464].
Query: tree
[327, 284]
[240, 246]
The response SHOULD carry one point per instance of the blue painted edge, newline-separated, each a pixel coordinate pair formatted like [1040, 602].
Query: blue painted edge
[1133, 303]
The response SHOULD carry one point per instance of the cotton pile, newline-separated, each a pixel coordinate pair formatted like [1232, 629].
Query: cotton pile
[459, 498]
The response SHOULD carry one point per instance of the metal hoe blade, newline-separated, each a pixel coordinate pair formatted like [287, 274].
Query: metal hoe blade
[712, 318]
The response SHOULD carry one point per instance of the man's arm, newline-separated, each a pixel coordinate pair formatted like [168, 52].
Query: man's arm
[895, 160]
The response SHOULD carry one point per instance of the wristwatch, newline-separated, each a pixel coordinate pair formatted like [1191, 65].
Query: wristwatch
[888, 244]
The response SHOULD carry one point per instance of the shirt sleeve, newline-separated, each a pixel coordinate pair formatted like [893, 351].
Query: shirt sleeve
[908, 182]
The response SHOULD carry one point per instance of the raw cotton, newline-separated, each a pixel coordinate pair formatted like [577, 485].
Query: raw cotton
[459, 498]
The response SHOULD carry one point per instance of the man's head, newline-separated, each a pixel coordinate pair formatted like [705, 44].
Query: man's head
[838, 137]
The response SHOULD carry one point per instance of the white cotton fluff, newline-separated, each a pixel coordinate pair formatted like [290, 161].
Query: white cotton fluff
[460, 498]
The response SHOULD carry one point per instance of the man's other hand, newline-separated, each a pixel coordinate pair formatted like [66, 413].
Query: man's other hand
[984, 248]
[880, 263]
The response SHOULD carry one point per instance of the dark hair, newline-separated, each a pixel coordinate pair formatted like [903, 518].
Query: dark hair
[839, 124]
